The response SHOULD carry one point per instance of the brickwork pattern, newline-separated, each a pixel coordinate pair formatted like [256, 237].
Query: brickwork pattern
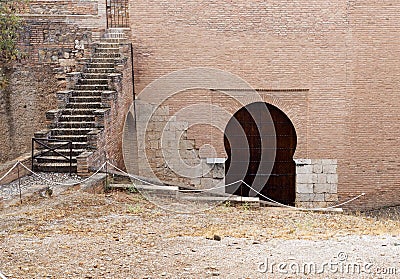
[343, 52]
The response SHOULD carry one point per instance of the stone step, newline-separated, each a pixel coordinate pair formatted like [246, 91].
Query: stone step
[95, 105]
[104, 60]
[107, 50]
[80, 125]
[93, 81]
[55, 167]
[76, 145]
[65, 151]
[85, 99]
[73, 138]
[106, 55]
[234, 199]
[76, 124]
[99, 70]
[100, 65]
[114, 40]
[104, 44]
[70, 131]
[95, 75]
[114, 35]
[80, 112]
[76, 119]
[55, 159]
[91, 87]
[86, 93]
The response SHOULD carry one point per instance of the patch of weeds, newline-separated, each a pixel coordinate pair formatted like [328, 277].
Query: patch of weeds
[246, 206]
[134, 209]
[132, 189]
[227, 204]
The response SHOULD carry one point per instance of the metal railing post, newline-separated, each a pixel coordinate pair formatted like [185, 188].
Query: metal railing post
[33, 153]
[19, 184]
[70, 158]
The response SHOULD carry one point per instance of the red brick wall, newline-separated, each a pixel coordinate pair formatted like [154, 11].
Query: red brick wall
[372, 161]
[343, 53]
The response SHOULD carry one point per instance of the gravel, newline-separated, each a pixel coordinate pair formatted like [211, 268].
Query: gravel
[122, 235]
[32, 183]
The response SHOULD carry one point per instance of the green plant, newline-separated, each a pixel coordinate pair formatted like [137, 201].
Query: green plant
[136, 209]
[227, 204]
[10, 29]
[132, 189]
[246, 206]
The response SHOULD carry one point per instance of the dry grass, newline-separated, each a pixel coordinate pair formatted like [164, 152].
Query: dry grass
[81, 214]
[76, 234]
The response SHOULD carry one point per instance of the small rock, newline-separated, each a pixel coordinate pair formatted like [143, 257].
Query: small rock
[194, 250]
[217, 237]
[256, 242]
[164, 274]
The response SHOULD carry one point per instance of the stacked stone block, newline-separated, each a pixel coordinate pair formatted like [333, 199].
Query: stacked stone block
[316, 182]
[168, 154]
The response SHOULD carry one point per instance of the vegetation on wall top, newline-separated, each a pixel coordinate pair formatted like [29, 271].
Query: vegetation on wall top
[10, 26]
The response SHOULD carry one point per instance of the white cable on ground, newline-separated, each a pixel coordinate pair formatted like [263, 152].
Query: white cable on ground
[187, 190]
[10, 170]
[269, 199]
[196, 190]
[64, 184]
[302, 208]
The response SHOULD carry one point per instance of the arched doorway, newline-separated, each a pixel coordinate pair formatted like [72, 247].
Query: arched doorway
[260, 141]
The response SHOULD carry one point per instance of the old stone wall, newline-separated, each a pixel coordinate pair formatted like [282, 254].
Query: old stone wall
[22, 108]
[49, 38]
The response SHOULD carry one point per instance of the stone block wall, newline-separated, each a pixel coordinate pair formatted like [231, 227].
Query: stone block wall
[167, 153]
[316, 183]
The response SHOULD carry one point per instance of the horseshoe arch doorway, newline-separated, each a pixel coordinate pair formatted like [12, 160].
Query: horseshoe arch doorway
[251, 136]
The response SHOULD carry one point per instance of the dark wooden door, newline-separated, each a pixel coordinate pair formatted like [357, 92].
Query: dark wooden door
[260, 141]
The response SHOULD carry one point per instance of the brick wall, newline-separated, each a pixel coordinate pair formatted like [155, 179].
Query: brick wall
[340, 58]
[331, 66]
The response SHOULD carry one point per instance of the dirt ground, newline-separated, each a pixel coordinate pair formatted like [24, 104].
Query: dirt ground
[122, 235]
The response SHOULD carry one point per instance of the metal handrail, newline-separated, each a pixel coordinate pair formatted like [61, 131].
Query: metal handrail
[53, 150]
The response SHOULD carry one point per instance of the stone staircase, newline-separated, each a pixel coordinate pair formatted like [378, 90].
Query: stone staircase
[75, 118]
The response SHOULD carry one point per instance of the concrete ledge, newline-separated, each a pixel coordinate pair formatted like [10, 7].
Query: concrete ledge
[145, 187]
[5, 167]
